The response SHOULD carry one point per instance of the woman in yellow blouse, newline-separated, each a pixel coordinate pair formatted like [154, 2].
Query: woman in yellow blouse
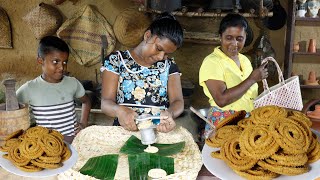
[226, 75]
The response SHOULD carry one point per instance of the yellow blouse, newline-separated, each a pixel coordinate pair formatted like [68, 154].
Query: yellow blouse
[218, 66]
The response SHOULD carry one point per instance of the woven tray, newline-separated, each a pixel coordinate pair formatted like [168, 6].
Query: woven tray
[100, 140]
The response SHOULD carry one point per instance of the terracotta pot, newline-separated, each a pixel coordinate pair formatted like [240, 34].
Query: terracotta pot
[312, 46]
[296, 47]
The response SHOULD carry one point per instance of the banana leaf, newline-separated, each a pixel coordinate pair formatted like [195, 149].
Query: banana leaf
[101, 167]
[140, 164]
[134, 146]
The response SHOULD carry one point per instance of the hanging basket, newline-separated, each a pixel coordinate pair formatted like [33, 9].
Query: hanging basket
[43, 20]
[5, 30]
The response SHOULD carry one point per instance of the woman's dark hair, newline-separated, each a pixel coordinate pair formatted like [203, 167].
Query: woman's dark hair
[51, 43]
[233, 20]
[166, 25]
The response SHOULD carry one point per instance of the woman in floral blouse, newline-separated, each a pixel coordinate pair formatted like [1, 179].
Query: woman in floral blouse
[143, 80]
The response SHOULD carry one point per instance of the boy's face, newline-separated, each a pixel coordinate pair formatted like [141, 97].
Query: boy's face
[54, 64]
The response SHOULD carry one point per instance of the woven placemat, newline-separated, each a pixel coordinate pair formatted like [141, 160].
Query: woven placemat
[100, 140]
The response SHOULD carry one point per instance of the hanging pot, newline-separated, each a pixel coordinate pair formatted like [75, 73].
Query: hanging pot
[279, 18]
[255, 4]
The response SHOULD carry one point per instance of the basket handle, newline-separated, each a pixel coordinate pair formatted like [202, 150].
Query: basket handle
[280, 75]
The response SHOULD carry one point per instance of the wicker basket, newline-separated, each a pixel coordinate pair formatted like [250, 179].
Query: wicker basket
[82, 32]
[130, 26]
[43, 20]
[100, 140]
[5, 30]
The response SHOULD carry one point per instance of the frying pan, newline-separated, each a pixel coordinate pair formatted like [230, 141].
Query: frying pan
[279, 18]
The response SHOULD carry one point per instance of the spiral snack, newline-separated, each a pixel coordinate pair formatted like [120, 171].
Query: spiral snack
[257, 173]
[9, 143]
[290, 136]
[30, 168]
[30, 148]
[231, 155]
[14, 134]
[232, 119]
[16, 157]
[265, 114]
[304, 123]
[272, 165]
[314, 154]
[36, 132]
[48, 159]
[290, 160]
[216, 154]
[56, 134]
[66, 153]
[245, 122]
[51, 145]
[300, 116]
[45, 165]
[223, 134]
[257, 142]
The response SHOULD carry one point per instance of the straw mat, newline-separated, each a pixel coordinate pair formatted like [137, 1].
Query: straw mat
[101, 140]
[82, 32]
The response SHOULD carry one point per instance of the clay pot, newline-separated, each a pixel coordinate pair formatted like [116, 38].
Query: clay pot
[312, 80]
[312, 46]
[314, 114]
[296, 47]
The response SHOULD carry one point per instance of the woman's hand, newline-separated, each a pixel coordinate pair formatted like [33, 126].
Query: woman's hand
[126, 117]
[166, 122]
[260, 73]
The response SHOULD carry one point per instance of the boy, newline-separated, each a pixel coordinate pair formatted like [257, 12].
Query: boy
[51, 95]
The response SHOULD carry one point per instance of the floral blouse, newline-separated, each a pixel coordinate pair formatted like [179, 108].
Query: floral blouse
[142, 88]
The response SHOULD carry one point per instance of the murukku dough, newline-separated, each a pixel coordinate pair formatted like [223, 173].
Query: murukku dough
[290, 135]
[266, 114]
[257, 142]
[36, 132]
[231, 155]
[14, 134]
[30, 148]
[286, 170]
[51, 145]
[223, 134]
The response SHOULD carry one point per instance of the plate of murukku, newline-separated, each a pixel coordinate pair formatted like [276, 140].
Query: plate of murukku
[273, 143]
[37, 152]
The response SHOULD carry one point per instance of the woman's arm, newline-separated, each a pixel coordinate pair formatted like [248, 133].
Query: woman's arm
[223, 96]
[109, 105]
[86, 106]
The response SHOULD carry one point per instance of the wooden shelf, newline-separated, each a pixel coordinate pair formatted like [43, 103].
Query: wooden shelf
[310, 86]
[306, 54]
[308, 19]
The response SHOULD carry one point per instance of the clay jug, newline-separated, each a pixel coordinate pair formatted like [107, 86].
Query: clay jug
[13, 116]
[312, 46]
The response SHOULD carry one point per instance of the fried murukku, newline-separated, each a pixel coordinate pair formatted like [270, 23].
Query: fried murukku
[257, 142]
[313, 143]
[56, 134]
[230, 153]
[314, 154]
[290, 159]
[30, 168]
[51, 145]
[232, 119]
[16, 157]
[257, 173]
[223, 134]
[299, 116]
[14, 134]
[36, 132]
[66, 153]
[290, 135]
[303, 123]
[30, 148]
[42, 164]
[266, 114]
[216, 154]
[50, 159]
[9, 143]
[271, 165]
[245, 122]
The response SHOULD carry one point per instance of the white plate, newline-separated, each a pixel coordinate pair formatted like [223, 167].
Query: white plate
[7, 165]
[220, 169]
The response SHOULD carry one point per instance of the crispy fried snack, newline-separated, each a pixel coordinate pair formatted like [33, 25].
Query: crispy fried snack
[290, 160]
[56, 134]
[265, 114]
[36, 132]
[223, 134]
[245, 122]
[257, 142]
[14, 134]
[273, 166]
[314, 154]
[48, 159]
[51, 145]
[257, 173]
[30, 148]
[232, 119]
[44, 165]
[216, 154]
[16, 157]
[66, 153]
[30, 168]
[231, 155]
[299, 116]
[290, 135]
[6, 147]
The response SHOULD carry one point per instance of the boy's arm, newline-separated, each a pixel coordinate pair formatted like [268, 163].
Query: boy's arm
[86, 106]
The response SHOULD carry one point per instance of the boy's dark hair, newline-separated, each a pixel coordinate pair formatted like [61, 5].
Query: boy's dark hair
[166, 25]
[233, 20]
[51, 43]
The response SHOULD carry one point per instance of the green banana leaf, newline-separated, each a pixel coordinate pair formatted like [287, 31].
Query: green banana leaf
[140, 164]
[101, 167]
[134, 146]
